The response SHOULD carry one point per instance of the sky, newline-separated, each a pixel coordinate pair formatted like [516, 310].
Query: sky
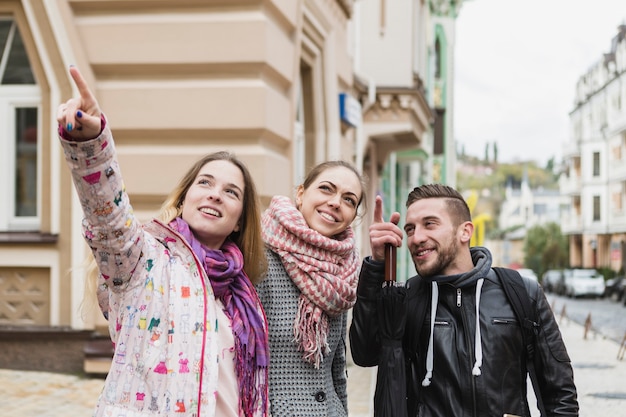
[516, 67]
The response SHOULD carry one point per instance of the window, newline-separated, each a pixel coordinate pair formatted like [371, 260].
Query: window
[540, 209]
[596, 164]
[437, 59]
[596, 208]
[19, 121]
[617, 153]
[617, 202]
[299, 143]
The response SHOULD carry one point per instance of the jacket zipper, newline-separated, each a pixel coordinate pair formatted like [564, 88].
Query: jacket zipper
[470, 349]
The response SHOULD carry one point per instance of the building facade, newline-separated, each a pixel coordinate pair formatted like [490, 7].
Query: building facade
[595, 164]
[404, 72]
[176, 80]
[284, 84]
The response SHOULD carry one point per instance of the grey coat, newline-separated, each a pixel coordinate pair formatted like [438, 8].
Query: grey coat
[296, 387]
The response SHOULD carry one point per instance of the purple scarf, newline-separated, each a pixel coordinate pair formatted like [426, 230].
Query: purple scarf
[232, 286]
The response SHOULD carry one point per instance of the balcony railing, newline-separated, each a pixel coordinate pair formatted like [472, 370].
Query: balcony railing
[617, 170]
[570, 185]
[571, 224]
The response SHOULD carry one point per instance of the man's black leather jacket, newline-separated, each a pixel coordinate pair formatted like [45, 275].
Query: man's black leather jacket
[454, 391]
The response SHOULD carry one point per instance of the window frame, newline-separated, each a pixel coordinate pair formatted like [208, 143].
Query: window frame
[596, 164]
[13, 97]
[597, 207]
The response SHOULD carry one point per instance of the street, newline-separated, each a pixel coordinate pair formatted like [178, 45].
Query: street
[599, 375]
[608, 318]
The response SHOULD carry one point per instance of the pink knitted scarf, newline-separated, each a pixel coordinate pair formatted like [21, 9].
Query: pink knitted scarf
[325, 270]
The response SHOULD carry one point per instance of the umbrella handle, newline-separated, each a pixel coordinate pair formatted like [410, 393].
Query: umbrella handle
[390, 263]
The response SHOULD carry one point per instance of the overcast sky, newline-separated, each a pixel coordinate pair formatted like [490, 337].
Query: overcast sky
[517, 64]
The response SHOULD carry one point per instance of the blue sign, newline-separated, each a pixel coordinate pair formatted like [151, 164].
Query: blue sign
[350, 110]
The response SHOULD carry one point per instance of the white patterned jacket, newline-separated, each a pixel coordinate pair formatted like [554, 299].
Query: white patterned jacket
[155, 294]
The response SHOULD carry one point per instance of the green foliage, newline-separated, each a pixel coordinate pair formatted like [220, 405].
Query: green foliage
[545, 247]
[606, 272]
[499, 174]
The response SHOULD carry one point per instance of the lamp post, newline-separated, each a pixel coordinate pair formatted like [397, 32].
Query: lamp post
[594, 252]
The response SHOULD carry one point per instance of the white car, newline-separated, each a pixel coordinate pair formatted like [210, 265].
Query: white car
[584, 282]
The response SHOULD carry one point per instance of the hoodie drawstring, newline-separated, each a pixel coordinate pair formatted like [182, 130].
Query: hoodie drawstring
[477, 337]
[478, 346]
[434, 300]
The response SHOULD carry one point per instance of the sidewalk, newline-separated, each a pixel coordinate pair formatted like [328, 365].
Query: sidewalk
[600, 379]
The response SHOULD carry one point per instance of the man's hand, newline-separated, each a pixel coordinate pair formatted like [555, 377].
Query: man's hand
[80, 116]
[382, 232]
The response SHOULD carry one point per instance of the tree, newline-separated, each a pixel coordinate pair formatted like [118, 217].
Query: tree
[545, 248]
[495, 152]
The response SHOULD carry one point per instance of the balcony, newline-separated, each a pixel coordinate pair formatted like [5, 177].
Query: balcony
[617, 222]
[570, 185]
[617, 170]
[571, 224]
[571, 150]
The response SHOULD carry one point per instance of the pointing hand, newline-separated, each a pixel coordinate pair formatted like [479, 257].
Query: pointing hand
[80, 116]
[382, 232]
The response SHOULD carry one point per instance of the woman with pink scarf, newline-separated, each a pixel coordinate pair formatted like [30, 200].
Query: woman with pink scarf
[189, 274]
[309, 288]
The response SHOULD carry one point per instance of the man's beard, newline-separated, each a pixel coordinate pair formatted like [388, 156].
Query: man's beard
[445, 257]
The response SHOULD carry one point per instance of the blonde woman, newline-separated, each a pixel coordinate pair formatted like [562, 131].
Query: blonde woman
[189, 331]
[310, 286]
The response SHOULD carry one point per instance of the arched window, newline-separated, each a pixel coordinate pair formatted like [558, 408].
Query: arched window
[437, 58]
[20, 100]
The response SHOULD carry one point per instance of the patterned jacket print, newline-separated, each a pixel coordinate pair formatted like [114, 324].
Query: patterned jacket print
[155, 294]
[296, 387]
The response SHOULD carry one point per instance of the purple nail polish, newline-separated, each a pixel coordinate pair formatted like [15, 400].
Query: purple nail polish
[79, 114]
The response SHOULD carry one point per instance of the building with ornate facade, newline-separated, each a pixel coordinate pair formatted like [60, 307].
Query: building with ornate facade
[177, 80]
[595, 163]
[408, 100]
[284, 84]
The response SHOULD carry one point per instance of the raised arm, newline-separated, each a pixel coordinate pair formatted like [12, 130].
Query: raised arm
[109, 226]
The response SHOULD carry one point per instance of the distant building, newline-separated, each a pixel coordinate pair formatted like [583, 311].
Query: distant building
[595, 163]
[522, 209]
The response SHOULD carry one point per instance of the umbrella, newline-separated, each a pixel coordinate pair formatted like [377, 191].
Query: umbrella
[390, 394]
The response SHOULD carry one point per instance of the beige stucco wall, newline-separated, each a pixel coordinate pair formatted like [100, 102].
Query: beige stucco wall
[178, 79]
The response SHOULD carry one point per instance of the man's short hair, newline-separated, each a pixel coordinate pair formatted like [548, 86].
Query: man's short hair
[457, 207]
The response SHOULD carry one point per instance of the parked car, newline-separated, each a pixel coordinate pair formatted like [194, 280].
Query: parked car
[553, 280]
[584, 282]
[528, 273]
[614, 288]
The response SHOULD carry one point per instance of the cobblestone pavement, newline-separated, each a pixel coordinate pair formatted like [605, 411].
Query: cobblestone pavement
[600, 379]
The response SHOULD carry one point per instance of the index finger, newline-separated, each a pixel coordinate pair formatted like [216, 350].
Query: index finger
[378, 210]
[81, 84]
